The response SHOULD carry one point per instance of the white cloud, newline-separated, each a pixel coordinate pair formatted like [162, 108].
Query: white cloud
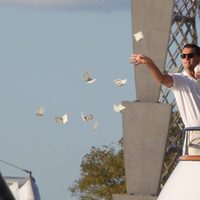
[104, 5]
[43, 2]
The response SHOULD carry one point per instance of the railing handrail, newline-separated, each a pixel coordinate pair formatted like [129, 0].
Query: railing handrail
[195, 128]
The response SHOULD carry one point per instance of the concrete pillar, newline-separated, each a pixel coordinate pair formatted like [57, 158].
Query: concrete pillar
[153, 18]
[132, 197]
[145, 132]
[146, 122]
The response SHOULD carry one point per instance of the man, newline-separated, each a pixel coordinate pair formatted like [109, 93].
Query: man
[184, 87]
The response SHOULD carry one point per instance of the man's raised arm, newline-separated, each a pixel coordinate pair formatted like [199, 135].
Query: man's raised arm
[164, 79]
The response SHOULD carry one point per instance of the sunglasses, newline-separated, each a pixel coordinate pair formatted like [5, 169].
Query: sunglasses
[189, 55]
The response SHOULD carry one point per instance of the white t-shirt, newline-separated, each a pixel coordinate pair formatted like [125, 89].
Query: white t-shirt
[187, 94]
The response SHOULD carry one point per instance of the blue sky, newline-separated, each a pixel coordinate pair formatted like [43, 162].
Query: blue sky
[44, 52]
[46, 46]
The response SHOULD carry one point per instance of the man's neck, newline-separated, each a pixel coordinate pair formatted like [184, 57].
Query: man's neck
[190, 72]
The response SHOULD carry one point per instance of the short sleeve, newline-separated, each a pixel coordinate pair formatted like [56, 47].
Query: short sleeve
[178, 81]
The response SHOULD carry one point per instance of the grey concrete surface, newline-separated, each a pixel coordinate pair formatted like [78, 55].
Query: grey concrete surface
[132, 197]
[153, 18]
[145, 132]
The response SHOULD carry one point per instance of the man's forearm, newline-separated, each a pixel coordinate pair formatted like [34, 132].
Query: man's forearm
[164, 79]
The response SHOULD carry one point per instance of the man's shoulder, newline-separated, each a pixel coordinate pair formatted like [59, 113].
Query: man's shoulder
[179, 80]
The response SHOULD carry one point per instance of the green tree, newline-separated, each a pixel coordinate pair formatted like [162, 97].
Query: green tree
[102, 174]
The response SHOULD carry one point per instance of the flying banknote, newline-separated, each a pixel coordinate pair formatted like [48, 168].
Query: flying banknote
[87, 78]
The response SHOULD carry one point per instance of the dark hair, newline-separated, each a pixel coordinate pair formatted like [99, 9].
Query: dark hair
[194, 46]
